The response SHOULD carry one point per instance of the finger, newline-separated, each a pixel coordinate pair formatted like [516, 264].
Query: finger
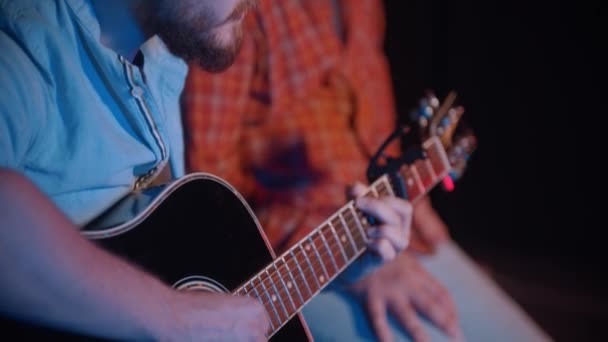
[403, 208]
[435, 302]
[443, 299]
[394, 234]
[379, 209]
[383, 248]
[408, 318]
[377, 312]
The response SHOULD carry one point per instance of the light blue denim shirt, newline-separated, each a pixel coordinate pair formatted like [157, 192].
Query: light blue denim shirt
[79, 120]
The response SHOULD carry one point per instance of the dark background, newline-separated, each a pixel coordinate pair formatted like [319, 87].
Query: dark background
[527, 75]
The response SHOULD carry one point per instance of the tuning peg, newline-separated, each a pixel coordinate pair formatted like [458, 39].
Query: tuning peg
[434, 101]
[445, 122]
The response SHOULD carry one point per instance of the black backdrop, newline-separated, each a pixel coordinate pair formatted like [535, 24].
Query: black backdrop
[524, 72]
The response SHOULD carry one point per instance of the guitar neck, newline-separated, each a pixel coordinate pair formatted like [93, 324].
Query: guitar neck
[297, 275]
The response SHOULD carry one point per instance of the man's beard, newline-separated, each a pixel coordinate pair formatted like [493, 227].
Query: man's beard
[204, 48]
[191, 37]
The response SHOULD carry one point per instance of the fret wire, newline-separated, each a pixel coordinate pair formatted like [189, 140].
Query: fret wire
[260, 299]
[373, 191]
[429, 168]
[295, 260]
[361, 219]
[346, 225]
[314, 247]
[437, 155]
[359, 239]
[378, 184]
[269, 300]
[347, 233]
[380, 189]
[432, 158]
[278, 295]
[295, 284]
[327, 246]
[383, 189]
[333, 230]
[417, 180]
[350, 222]
[424, 174]
[389, 187]
[301, 272]
[325, 253]
[303, 303]
[329, 253]
[354, 214]
[293, 305]
[347, 229]
[310, 265]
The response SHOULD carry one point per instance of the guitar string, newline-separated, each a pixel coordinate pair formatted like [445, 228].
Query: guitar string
[325, 257]
[325, 254]
[350, 223]
[282, 292]
[320, 260]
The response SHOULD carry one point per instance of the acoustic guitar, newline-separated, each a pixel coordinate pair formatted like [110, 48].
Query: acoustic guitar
[197, 233]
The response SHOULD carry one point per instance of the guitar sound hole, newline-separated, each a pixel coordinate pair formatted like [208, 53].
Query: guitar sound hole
[200, 283]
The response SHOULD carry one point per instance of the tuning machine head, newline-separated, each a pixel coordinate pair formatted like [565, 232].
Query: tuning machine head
[443, 120]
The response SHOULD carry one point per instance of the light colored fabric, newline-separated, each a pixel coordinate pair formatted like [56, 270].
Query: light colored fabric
[76, 118]
[485, 310]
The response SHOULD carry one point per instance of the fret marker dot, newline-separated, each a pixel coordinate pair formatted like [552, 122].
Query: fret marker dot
[343, 238]
[410, 182]
[307, 247]
[322, 279]
[274, 298]
[288, 284]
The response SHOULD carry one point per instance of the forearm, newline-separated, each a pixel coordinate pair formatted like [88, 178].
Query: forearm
[50, 274]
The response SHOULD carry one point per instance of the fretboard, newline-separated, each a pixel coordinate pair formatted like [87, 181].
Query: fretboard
[296, 276]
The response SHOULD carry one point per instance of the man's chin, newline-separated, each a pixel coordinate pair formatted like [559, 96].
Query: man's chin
[215, 65]
[218, 59]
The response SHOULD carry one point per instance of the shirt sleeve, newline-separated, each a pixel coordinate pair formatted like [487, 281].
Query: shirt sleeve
[19, 89]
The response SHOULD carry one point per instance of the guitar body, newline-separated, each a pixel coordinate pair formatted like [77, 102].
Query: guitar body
[197, 234]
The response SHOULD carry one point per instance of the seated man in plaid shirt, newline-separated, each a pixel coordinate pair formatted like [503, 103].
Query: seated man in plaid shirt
[291, 125]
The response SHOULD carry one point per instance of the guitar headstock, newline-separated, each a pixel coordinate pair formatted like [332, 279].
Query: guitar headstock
[436, 147]
[434, 118]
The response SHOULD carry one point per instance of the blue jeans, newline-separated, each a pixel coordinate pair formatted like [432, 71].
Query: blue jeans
[486, 313]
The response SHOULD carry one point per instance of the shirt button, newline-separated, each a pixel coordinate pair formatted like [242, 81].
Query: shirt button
[137, 92]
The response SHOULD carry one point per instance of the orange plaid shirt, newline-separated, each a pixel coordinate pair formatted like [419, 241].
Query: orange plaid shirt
[292, 123]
